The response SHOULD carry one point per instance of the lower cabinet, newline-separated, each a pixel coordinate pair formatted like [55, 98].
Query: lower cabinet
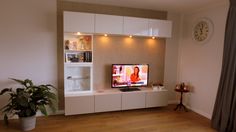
[107, 102]
[114, 101]
[79, 104]
[133, 100]
[156, 98]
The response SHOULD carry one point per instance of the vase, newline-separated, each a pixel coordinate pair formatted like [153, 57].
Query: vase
[28, 123]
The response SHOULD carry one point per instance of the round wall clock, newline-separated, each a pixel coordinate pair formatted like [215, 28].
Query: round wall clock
[202, 30]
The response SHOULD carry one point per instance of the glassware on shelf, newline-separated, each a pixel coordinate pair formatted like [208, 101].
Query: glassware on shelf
[75, 83]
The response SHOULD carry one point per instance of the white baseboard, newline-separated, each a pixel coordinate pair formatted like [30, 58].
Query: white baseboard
[207, 115]
[60, 112]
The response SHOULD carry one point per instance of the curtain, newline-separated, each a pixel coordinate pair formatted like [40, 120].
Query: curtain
[224, 117]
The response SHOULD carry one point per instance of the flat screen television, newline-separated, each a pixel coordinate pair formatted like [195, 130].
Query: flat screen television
[129, 75]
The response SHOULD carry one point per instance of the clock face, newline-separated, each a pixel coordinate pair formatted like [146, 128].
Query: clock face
[201, 31]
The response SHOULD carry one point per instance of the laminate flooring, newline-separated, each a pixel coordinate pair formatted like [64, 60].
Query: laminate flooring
[163, 119]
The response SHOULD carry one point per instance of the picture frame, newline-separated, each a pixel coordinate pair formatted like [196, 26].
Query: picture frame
[71, 58]
[79, 43]
[74, 57]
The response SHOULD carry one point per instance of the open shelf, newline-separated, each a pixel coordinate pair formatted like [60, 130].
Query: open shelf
[78, 65]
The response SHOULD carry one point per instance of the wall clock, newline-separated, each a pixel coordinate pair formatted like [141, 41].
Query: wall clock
[202, 30]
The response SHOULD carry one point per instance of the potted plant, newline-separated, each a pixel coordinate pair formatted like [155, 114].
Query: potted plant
[26, 100]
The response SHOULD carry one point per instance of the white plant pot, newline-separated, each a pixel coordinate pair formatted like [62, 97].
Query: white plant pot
[28, 123]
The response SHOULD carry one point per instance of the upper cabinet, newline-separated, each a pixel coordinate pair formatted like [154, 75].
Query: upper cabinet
[108, 24]
[160, 28]
[136, 26]
[79, 22]
[120, 25]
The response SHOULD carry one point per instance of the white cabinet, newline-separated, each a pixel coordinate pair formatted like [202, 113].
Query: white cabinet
[78, 22]
[136, 26]
[78, 66]
[79, 104]
[160, 28]
[133, 100]
[114, 101]
[108, 24]
[157, 98]
[78, 78]
[108, 102]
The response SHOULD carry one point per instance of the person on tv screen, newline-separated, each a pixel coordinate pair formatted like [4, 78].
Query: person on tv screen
[134, 77]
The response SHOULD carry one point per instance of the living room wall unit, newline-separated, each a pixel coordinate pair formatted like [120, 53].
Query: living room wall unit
[114, 49]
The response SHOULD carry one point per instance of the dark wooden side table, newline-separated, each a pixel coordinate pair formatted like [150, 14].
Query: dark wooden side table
[180, 105]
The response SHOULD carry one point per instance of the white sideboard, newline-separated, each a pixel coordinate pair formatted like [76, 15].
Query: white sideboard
[79, 104]
[156, 99]
[133, 100]
[114, 100]
[107, 102]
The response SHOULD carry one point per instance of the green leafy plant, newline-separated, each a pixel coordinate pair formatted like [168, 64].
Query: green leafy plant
[25, 101]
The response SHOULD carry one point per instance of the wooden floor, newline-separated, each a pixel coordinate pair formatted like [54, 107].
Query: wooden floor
[143, 120]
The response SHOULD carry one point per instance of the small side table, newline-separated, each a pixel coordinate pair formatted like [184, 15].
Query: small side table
[180, 105]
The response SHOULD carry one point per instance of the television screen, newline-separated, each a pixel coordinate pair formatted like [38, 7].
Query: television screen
[129, 75]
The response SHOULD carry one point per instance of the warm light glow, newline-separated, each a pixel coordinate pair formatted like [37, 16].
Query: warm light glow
[130, 36]
[153, 37]
[104, 41]
[78, 33]
[128, 41]
[105, 35]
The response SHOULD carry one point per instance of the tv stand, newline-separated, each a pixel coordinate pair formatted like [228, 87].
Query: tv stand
[128, 89]
[114, 100]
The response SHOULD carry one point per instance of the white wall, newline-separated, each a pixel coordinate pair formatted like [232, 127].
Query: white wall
[28, 47]
[200, 65]
[171, 56]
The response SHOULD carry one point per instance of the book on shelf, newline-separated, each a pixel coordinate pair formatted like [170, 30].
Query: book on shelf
[78, 57]
[88, 56]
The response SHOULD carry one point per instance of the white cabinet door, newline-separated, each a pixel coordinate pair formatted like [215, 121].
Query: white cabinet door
[160, 28]
[156, 98]
[107, 102]
[136, 26]
[108, 24]
[78, 22]
[79, 104]
[133, 100]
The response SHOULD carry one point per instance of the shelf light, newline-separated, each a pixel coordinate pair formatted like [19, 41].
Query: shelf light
[78, 33]
[130, 36]
[153, 37]
[105, 35]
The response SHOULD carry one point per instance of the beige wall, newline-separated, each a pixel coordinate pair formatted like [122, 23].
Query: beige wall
[171, 56]
[105, 53]
[28, 42]
[200, 65]
[111, 10]
[124, 50]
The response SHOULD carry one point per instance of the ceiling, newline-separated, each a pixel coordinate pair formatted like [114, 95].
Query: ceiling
[179, 6]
